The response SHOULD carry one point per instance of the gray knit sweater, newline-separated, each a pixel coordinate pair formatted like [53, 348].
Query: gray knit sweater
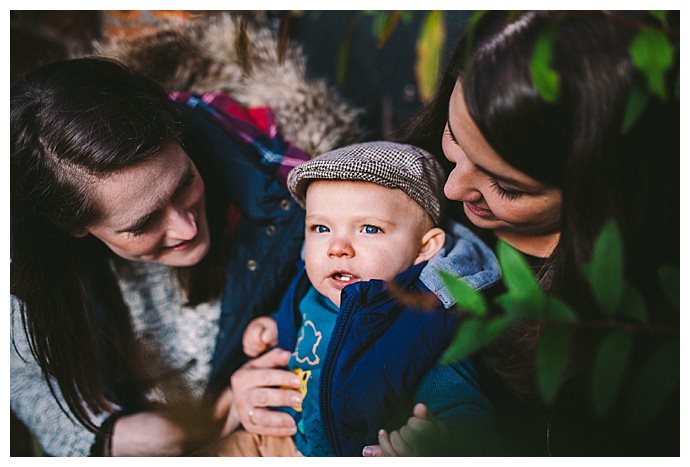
[185, 336]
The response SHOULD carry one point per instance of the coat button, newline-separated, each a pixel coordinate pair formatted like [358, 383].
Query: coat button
[285, 204]
[251, 265]
[270, 230]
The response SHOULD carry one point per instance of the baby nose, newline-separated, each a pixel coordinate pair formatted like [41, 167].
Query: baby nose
[340, 248]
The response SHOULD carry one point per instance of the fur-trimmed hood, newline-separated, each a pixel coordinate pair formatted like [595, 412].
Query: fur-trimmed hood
[200, 56]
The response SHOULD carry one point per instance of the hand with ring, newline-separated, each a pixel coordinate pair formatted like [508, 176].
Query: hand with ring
[262, 383]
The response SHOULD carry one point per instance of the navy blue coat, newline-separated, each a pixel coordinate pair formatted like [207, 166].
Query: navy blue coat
[379, 352]
[266, 244]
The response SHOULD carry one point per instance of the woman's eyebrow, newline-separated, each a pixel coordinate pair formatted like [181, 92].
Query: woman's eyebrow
[183, 183]
[507, 180]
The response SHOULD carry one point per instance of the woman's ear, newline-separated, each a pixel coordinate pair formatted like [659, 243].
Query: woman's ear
[432, 242]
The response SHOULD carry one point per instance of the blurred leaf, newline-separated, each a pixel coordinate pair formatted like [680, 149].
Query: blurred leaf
[552, 359]
[378, 23]
[388, 28]
[652, 53]
[429, 49]
[473, 334]
[558, 311]
[605, 270]
[637, 101]
[284, 34]
[545, 79]
[464, 294]
[344, 49]
[406, 17]
[669, 279]
[469, 32]
[633, 306]
[660, 15]
[519, 278]
[654, 383]
[609, 365]
[518, 308]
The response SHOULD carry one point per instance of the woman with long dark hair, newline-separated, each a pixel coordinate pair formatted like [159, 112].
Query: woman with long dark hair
[545, 175]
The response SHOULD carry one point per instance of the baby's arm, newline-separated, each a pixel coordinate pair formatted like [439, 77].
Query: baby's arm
[261, 334]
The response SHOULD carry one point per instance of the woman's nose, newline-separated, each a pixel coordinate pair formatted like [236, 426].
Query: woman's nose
[341, 248]
[462, 185]
[182, 224]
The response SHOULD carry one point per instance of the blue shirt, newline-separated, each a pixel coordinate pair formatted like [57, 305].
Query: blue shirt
[318, 319]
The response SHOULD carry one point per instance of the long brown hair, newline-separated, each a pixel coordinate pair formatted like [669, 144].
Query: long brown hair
[70, 121]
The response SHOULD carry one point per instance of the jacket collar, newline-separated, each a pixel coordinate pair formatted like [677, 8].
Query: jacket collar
[465, 256]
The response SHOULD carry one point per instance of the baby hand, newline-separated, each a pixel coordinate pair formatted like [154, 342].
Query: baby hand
[260, 335]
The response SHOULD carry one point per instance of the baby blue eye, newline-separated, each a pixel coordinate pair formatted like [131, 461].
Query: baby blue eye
[321, 229]
[371, 229]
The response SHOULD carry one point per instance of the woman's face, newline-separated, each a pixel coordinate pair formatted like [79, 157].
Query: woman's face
[495, 195]
[154, 211]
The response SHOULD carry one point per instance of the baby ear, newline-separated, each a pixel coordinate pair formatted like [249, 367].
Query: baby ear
[432, 242]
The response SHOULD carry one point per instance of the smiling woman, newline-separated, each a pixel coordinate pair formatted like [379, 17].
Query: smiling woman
[163, 222]
[544, 172]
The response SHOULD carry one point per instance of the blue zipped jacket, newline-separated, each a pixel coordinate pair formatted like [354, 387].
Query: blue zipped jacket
[381, 349]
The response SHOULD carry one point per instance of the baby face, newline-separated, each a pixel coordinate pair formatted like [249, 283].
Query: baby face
[357, 231]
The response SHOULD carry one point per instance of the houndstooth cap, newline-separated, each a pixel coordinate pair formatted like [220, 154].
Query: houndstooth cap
[392, 165]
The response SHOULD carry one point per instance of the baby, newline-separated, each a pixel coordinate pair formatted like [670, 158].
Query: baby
[372, 216]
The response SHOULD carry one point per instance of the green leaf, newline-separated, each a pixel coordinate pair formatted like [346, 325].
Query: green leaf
[660, 15]
[518, 308]
[472, 335]
[344, 48]
[669, 278]
[652, 53]
[654, 383]
[388, 28]
[637, 101]
[632, 305]
[552, 359]
[519, 278]
[545, 79]
[605, 271]
[406, 17]
[609, 365]
[429, 49]
[466, 297]
[558, 311]
[378, 23]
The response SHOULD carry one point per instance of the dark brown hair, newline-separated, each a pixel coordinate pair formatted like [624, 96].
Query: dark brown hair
[72, 121]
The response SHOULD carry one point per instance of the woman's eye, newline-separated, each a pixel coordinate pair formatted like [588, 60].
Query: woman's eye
[136, 232]
[505, 193]
[371, 229]
[320, 229]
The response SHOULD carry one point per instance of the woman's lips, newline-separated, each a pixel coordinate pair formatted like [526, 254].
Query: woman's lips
[477, 211]
[182, 245]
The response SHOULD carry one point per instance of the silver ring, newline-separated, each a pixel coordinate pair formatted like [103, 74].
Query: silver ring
[251, 417]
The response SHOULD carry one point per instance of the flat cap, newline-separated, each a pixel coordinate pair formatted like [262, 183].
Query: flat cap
[392, 165]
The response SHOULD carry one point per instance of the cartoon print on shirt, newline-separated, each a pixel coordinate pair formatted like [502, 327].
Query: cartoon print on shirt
[308, 335]
[304, 376]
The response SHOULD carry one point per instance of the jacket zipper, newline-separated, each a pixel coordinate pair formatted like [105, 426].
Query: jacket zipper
[342, 325]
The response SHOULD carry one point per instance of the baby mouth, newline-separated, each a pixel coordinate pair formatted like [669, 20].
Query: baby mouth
[343, 276]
